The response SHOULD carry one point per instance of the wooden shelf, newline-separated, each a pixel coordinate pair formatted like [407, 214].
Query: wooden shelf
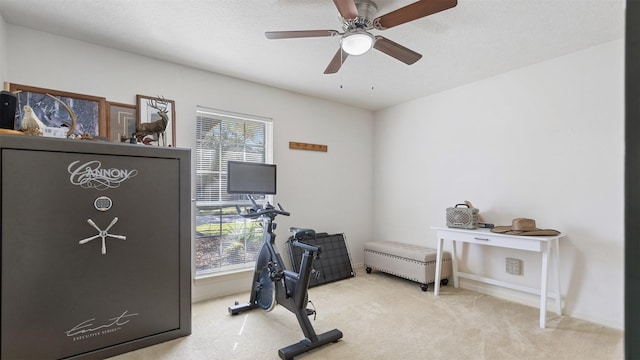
[307, 146]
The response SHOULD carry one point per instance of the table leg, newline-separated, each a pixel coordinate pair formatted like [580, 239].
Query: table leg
[454, 264]
[436, 285]
[543, 284]
[556, 264]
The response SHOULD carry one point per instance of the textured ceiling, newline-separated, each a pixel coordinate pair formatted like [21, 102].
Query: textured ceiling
[472, 41]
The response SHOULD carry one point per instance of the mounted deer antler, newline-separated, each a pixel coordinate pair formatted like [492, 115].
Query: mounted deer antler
[72, 115]
[157, 127]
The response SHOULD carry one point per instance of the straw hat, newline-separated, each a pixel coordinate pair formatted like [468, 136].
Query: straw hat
[524, 227]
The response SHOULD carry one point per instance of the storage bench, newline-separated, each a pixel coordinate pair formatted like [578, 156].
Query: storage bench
[409, 261]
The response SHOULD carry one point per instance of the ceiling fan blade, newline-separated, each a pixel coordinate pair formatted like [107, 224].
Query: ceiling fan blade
[412, 12]
[396, 50]
[336, 62]
[299, 34]
[347, 8]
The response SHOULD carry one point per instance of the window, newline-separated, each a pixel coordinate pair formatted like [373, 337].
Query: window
[224, 240]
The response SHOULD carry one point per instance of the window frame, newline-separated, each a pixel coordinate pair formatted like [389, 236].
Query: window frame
[221, 204]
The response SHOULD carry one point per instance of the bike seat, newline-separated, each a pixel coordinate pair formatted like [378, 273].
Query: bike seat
[299, 233]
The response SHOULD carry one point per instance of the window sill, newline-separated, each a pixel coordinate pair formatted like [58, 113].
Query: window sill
[222, 276]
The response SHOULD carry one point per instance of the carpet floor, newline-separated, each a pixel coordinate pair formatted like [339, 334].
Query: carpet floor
[385, 317]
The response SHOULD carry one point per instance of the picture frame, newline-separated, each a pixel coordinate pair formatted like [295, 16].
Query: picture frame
[122, 121]
[90, 111]
[147, 113]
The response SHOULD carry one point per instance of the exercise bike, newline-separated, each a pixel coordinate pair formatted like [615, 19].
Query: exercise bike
[273, 283]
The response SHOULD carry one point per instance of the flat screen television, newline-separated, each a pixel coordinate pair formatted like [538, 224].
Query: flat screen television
[251, 178]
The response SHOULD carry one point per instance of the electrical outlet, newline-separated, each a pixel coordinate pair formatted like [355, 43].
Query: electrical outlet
[514, 266]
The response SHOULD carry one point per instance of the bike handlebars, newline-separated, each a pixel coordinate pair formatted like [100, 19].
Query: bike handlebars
[256, 211]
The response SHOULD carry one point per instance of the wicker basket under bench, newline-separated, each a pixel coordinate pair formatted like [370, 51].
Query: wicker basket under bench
[409, 261]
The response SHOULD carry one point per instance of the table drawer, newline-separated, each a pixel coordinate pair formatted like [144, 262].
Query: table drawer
[483, 238]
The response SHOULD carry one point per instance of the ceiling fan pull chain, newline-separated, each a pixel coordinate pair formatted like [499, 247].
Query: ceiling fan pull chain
[374, 72]
[341, 62]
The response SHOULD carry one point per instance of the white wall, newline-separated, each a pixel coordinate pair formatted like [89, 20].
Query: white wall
[545, 142]
[330, 191]
[3, 53]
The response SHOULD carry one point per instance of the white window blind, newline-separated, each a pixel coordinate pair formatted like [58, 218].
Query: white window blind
[224, 240]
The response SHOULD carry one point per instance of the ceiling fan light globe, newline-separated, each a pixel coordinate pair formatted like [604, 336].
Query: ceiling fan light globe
[357, 43]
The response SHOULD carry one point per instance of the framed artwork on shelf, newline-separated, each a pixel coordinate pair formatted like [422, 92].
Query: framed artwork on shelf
[156, 123]
[90, 111]
[122, 121]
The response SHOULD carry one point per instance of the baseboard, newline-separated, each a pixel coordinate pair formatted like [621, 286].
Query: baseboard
[239, 282]
[529, 300]
[221, 284]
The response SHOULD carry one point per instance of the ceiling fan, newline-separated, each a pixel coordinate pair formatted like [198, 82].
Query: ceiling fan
[358, 17]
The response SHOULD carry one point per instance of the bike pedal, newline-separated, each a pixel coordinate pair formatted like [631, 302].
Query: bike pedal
[310, 312]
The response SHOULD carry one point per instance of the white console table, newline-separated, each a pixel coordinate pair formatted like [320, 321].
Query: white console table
[546, 245]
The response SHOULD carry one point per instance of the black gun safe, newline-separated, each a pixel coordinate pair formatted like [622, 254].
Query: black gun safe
[96, 254]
